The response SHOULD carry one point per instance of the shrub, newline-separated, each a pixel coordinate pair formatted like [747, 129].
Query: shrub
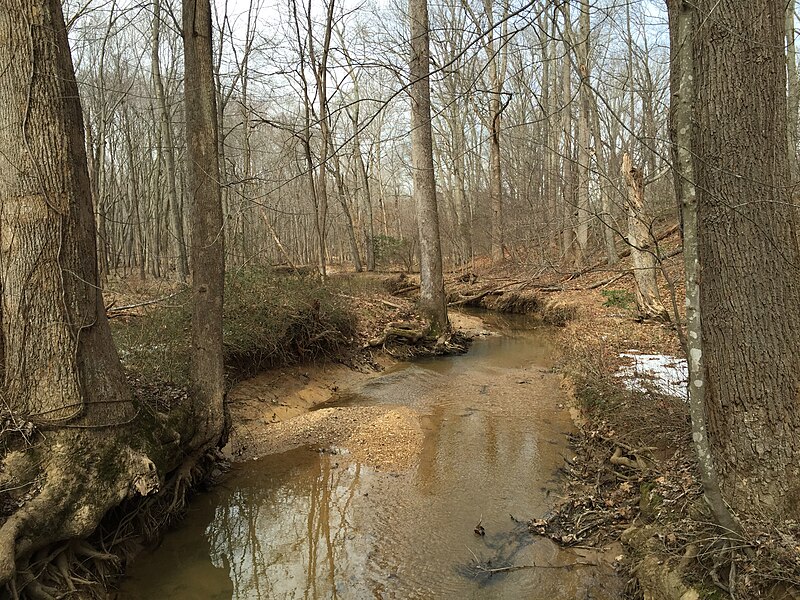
[618, 298]
[269, 320]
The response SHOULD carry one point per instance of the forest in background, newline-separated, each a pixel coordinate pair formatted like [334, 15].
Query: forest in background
[534, 106]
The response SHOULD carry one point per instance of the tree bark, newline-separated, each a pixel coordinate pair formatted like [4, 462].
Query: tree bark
[582, 225]
[794, 90]
[62, 372]
[208, 257]
[682, 18]
[747, 253]
[432, 299]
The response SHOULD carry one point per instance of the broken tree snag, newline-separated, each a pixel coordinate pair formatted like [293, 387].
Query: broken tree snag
[645, 262]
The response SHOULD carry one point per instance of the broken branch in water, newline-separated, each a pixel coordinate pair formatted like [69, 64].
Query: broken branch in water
[486, 569]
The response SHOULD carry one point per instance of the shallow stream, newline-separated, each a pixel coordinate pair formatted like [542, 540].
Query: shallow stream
[313, 525]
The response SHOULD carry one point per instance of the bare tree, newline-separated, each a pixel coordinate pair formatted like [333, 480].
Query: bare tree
[432, 300]
[167, 149]
[208, 253]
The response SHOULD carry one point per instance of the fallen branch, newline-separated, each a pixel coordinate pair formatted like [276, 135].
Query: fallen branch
[111, 308]
[392, 304]
[482, 294]
[405, 289]
[608, 281]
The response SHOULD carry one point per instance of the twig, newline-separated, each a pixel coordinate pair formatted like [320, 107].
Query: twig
[391, 304]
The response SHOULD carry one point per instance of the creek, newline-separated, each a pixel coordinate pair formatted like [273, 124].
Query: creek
[318, 525]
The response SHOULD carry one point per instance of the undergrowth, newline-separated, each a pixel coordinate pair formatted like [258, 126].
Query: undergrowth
[618, 298]
[269, 320]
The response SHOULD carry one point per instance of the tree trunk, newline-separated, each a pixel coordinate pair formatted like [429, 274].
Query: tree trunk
[432, 300]
[794, 91]
[496, 55]
[208, 257]
[582, 226]
[348, 216]
[366, 198]
[177, 238]
[748, 257]
[62, 372]
[747, 252]
[681, 23]
[608, 222]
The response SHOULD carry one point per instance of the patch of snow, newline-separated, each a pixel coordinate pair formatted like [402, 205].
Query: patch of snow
[668, 375]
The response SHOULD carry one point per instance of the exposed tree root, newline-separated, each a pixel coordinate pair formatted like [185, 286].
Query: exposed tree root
[398, 331]
[93, 503]
[79, 480]
[406, 340]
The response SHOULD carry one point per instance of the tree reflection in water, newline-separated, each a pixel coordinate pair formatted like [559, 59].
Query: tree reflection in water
[304, 509]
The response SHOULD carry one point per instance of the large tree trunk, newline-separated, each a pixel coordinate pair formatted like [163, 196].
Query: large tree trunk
[681, 23]
[62, 372]
[432, 300]
[748, 255]
[794, 90]
[208, 257]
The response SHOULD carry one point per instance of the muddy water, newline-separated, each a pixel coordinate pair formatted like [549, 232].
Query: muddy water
[306, 524]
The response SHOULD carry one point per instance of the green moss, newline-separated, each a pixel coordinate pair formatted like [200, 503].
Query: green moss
[649, 499]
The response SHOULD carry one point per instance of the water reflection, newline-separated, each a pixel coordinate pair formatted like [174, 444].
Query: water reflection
[288, 531]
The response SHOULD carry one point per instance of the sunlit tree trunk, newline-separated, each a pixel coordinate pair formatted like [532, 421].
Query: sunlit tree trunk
[432, 299]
